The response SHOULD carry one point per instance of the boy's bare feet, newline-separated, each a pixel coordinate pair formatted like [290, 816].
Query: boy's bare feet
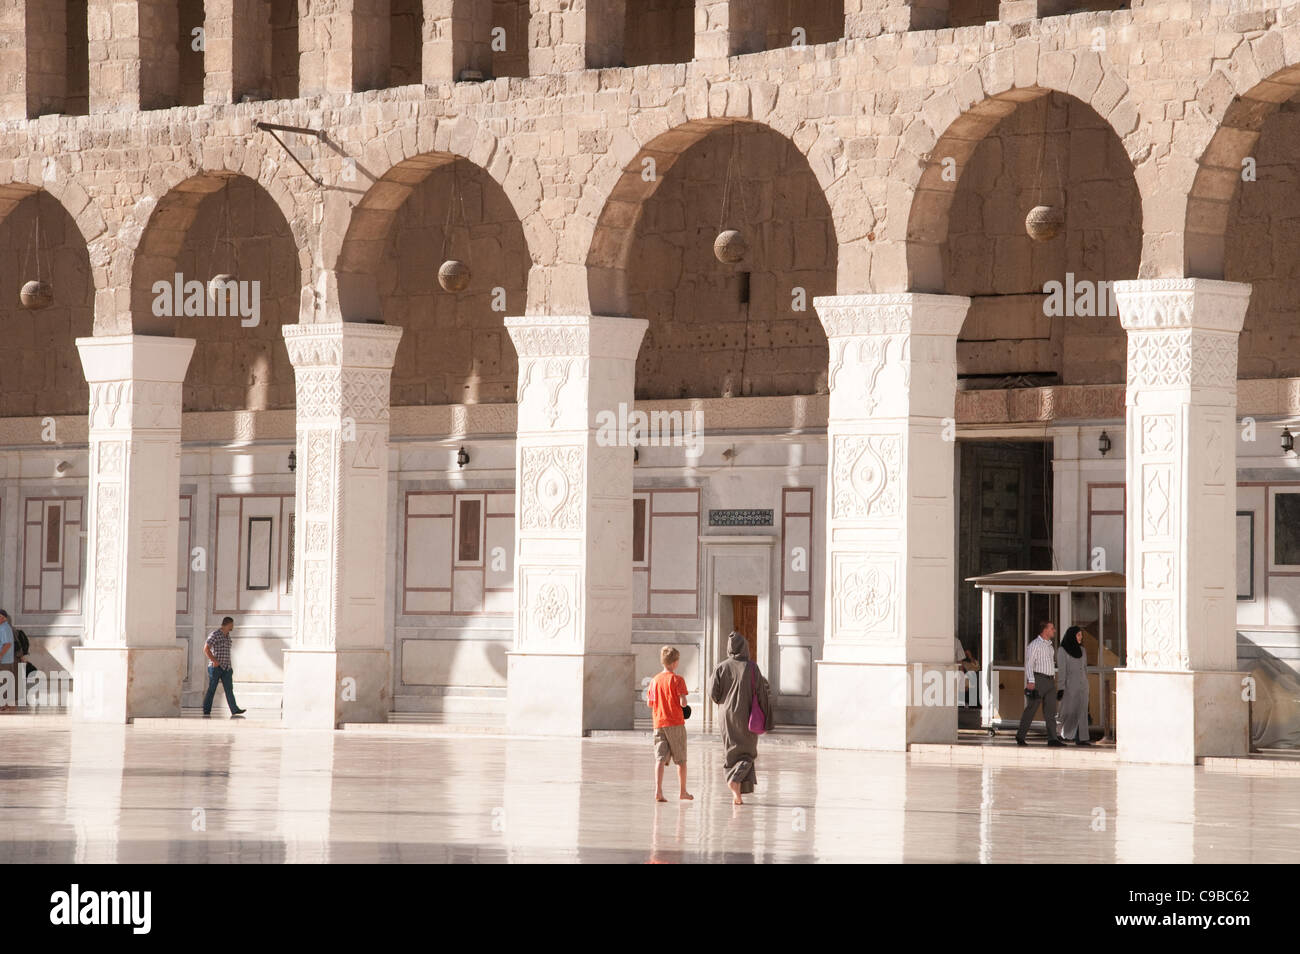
[686, 796]
[659, 797]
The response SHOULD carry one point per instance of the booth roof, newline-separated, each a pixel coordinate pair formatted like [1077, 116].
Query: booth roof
[1091, 579]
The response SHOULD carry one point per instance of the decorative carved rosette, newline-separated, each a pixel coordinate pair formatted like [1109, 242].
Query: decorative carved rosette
[865, 475]
[551, 479]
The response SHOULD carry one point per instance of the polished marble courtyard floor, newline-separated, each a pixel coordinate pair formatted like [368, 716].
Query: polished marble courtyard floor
[244, 792]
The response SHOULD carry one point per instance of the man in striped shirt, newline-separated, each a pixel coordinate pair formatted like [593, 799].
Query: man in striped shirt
[1040, 684]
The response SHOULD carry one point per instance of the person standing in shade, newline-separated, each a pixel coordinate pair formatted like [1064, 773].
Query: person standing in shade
[1072, 666]
[1040, 684]
[217, 649]
[8, 655]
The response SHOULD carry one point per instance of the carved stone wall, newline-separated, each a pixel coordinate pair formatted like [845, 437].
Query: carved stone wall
[134, 454]
[342, 377]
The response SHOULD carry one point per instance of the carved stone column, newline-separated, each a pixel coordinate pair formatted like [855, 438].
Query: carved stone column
[887, 661]
[338, 669]
[129, 664]
[1180, 696]
[572, 666]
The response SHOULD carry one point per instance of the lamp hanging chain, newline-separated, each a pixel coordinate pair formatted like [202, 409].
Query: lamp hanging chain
[231, 248]
[1042, 155]
[34, 243]
[726, 185]
[448, 223]
[464, 220]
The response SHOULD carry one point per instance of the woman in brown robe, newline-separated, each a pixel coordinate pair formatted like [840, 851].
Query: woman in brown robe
[733, 690]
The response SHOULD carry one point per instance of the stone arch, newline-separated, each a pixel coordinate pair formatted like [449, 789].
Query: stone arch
[1240, 227]
[968, 238]
[43, 367]
[84, 211]
[628, 189]
[435, 144]
[172, 193]
[1219, 167]
[432, 206]
[651, 256]
[966, 118]
[221, 222]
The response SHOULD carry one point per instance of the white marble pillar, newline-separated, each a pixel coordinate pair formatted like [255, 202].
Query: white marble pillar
[887, 659]
[129, 664]
[338, 667]
[572, 665]
[1180, 696]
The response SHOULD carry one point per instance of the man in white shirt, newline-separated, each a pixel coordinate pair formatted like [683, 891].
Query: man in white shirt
[1040, 684]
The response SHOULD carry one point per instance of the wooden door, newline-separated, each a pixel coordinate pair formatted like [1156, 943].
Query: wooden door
[1005, 520]
[744, 620]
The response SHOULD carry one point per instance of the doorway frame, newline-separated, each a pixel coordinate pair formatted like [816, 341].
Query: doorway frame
[735, 565]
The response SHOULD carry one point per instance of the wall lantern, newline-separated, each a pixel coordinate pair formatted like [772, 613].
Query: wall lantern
[462, 458]
[1288, 442]
[293, 461]
[1103, 443]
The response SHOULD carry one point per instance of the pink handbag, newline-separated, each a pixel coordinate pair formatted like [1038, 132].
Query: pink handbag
[757, 721]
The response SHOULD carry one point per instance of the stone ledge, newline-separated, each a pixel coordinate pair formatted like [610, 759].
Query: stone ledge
[1034, 754]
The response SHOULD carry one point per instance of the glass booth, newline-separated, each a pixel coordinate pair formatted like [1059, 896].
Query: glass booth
[1014, 602]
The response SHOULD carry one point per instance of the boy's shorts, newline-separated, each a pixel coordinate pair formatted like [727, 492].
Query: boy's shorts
[670, 741]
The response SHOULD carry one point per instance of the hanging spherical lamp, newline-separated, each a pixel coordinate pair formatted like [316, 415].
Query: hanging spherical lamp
[220, 286]
[453, 275]
[1044, 222]
[36, 295]
[730, 247]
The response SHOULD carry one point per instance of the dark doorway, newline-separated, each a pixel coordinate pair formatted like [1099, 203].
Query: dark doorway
[1004, 513]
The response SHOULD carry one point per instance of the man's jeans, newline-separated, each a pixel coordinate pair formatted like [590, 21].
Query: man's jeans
[226, 678]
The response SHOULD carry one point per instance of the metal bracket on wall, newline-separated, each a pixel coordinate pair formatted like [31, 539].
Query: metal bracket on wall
[273, 128]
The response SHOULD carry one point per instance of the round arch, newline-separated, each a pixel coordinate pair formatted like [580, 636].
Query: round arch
[221, 222]
[941, 169]
[39, 235]
[1220, 167]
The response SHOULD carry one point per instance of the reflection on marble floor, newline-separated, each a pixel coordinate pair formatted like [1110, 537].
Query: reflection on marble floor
[122, 794]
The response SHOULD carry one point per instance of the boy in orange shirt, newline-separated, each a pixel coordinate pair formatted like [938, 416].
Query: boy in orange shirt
[665, 697]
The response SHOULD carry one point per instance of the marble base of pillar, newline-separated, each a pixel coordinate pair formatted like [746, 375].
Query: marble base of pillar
[1178, 717]
[551, 694]
[117, 684]
[316, 696]
[885, 706]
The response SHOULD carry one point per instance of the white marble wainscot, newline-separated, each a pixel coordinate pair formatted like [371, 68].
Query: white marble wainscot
[1180, 698]
[890, 519]
[129, 664]
[572, 668]
[338, 669]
